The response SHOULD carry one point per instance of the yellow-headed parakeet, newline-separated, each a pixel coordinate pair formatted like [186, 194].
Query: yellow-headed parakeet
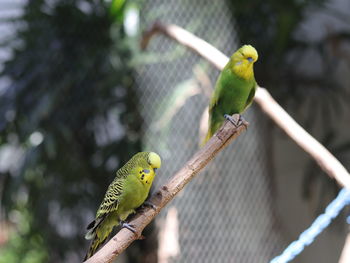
[234, 89]
[128, 191]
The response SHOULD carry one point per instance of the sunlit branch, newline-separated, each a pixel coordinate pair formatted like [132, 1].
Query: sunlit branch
[327, 162]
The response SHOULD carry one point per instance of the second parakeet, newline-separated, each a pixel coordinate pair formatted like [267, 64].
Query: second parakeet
[127, 192]
[234, 89]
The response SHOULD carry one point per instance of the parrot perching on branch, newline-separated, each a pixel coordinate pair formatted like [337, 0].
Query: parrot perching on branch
[234, 89]
[127, 192]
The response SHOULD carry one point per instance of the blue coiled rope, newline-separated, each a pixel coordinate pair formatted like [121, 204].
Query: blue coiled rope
[321, 223]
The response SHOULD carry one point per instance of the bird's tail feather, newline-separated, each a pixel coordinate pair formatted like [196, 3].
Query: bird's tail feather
[207, 137]
[92, 227]
[97, 239]
[91, 231]
[213, 128]
[95, 244]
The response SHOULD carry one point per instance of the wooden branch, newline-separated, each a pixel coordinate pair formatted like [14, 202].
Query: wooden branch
[204, 49]
[327, 162]
[345, 254]
[166, 193]
[226, 134]
[317, 151]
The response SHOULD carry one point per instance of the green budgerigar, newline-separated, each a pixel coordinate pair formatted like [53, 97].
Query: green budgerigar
[128, 191]
[234, 89]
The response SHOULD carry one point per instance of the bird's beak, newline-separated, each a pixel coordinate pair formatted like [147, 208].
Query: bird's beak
[250, 59]
[155, 169]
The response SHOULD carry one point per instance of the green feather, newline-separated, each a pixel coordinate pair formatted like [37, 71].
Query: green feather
[128, 191]
[234, 89]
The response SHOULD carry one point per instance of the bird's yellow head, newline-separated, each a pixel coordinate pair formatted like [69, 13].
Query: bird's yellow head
[147, 175]
[242, 61]
[154, 160]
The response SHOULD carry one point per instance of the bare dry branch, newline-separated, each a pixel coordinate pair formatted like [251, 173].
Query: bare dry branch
[166, 193]
[263, 98]
[328, 163]
[204, 49]
[345, 254]
[221, 139]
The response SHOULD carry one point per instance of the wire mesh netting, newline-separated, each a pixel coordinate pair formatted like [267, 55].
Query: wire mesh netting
[225, 214]
[72, 120]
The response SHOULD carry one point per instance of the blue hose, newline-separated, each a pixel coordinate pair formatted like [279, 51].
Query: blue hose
[320, 224]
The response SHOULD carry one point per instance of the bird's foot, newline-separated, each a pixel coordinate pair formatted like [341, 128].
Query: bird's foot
[148, 203]
[128, 226]
[235, 121]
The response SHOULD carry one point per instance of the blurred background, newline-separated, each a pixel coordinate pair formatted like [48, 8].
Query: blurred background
[78, 97]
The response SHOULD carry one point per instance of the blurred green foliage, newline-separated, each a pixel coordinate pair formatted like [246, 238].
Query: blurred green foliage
[70, 111]
[69, 114]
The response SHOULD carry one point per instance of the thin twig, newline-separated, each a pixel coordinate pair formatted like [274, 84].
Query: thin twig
[328, 163]
[166, 193]
[345, 254]
[204, 49]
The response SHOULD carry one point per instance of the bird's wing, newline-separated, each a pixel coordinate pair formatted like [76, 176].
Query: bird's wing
[251, 95]
[215, 97]
[110, 203]
[213, 103]
[111, 200]
[224, 79]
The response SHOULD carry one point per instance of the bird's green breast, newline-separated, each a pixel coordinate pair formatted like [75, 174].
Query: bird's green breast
[134, 194]
[234, 93]
[230, 97]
